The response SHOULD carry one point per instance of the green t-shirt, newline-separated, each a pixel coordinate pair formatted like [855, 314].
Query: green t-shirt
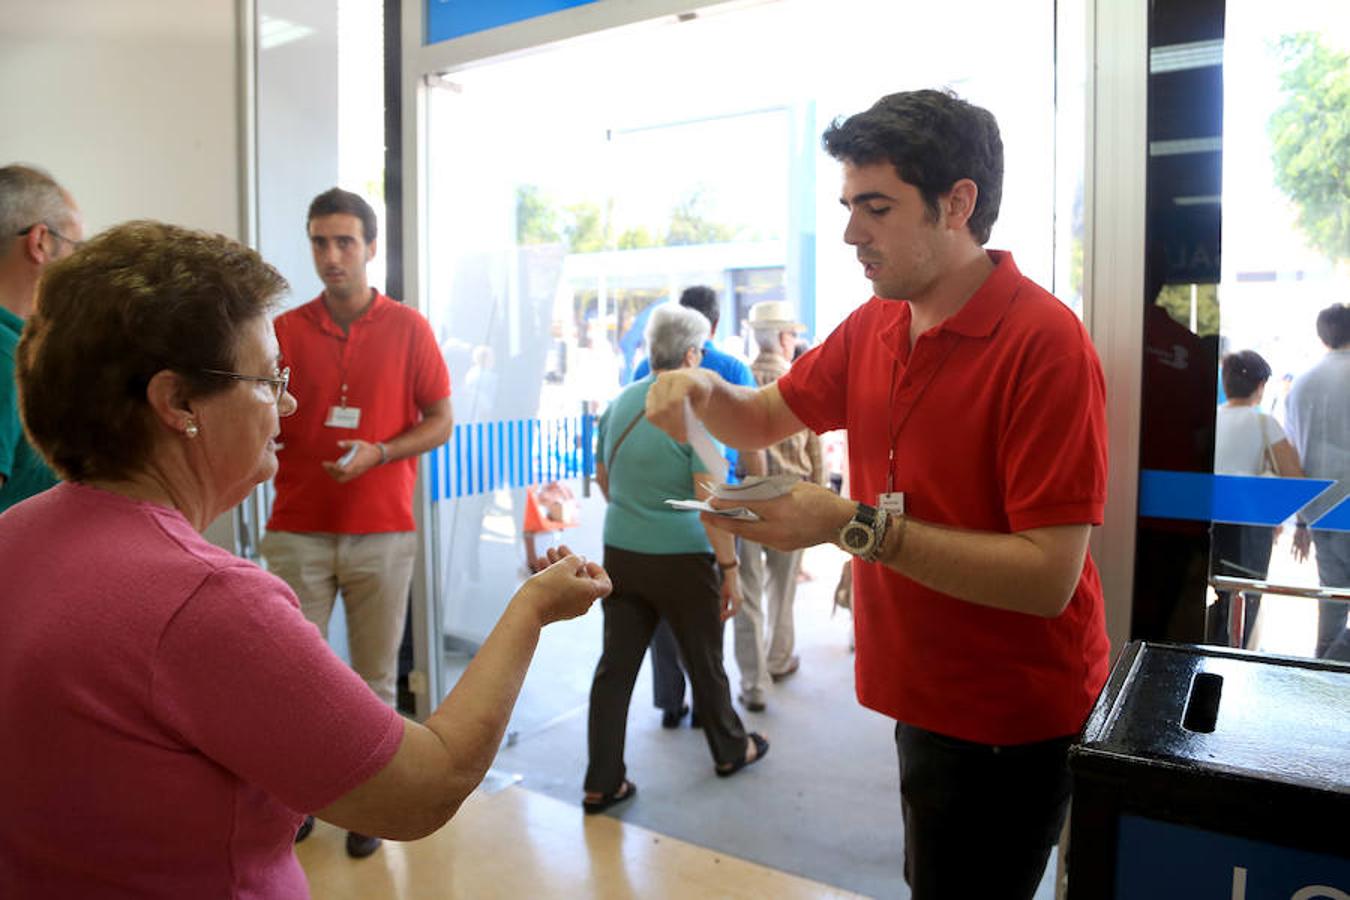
[649, 469]
[24, 470]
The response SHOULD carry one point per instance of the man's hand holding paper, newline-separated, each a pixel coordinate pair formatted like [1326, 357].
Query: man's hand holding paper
[791, 513]
[806, 515]
[754, 487]
[677, 398]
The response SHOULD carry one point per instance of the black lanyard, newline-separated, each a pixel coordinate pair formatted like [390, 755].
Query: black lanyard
[893, 430]
[346, 344]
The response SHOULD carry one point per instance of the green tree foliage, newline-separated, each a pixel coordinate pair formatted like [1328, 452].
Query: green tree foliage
[637, 239]
[1310, 135]
[1176, 299]
[689, 225]
[587, 227]
[536, 219]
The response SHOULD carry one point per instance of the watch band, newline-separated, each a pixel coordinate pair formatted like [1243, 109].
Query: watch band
[861, 534]
[879, 527]
[865, 515]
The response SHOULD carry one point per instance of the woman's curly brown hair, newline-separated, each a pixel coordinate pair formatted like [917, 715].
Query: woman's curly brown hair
[137, 299]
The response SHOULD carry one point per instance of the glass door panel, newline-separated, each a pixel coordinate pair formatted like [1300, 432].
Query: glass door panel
[572, 188]
[1286, 259]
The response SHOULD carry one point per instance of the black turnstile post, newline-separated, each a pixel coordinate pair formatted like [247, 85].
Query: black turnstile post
[1205, 772]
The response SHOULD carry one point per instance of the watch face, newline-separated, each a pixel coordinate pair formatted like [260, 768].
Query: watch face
[857, 537]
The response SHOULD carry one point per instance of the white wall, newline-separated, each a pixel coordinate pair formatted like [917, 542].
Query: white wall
[133, 105]
[298, 132]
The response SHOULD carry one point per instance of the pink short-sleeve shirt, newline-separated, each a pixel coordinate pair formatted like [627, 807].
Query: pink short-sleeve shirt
[168, 713]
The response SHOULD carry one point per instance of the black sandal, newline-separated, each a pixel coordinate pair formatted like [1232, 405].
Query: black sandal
[625, 791]
[761, 748]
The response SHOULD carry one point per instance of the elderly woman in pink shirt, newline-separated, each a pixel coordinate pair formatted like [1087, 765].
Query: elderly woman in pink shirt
[169, 715]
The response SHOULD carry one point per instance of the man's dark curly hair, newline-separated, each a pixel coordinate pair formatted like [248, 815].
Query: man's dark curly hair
[933, 139]
[702, 298]
[335, 201]
[1333, 325]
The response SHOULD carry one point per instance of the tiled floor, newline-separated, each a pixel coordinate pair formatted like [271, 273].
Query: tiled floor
[780, 830]
[518, 844]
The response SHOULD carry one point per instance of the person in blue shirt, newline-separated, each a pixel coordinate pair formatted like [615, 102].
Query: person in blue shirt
[667, 676]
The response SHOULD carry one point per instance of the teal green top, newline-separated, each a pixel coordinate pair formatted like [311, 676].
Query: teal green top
[24, 470]
[649, 469]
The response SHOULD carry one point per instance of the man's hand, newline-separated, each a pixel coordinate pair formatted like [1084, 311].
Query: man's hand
[807, 515]
[367, 457]
[1302, 543]
[665, 400]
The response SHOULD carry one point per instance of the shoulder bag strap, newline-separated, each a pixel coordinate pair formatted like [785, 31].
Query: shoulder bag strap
[1267, 452]
[642, 414]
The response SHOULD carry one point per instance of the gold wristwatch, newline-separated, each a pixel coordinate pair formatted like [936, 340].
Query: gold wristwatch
[863, 534]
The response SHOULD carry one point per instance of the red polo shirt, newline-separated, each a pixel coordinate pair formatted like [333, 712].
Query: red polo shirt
[393, 370]
[998, 420]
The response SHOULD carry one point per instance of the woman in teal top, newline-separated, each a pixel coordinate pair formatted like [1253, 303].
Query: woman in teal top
[664, 564]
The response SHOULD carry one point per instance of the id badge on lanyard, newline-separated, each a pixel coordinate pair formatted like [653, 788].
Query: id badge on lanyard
[343, 417]
[893, 502]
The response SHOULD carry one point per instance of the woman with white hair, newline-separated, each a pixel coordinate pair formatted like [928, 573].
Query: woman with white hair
[664, 564]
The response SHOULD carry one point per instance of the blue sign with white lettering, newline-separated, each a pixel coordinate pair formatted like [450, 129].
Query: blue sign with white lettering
[1161, 860]
[449, 19]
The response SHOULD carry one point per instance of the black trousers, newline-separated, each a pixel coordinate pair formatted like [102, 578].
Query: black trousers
[684, 590]
[979, 820]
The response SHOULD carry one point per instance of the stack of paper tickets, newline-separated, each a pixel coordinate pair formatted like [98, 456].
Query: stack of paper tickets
[754, 487]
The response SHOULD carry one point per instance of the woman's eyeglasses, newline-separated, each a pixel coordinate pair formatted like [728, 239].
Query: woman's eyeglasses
[278, 383]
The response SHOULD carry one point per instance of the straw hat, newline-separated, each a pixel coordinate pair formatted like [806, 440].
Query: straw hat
[774, 314]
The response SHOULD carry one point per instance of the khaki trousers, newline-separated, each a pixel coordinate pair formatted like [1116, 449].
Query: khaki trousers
[765, 636]
[372, 572]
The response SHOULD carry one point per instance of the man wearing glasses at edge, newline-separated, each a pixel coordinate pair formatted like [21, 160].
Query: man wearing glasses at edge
[373, 394]
[39, 224]
[975, 409]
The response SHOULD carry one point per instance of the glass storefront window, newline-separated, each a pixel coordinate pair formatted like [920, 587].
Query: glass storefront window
[572, 188]
[1286, 246]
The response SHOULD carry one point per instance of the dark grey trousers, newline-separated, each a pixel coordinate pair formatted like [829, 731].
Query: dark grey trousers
[682, 589]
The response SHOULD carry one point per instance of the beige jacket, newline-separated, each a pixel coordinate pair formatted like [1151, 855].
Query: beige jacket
[798, 454]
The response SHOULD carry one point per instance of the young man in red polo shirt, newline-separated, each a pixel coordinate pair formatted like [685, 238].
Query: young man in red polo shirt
[373, 394]
[975, 410]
